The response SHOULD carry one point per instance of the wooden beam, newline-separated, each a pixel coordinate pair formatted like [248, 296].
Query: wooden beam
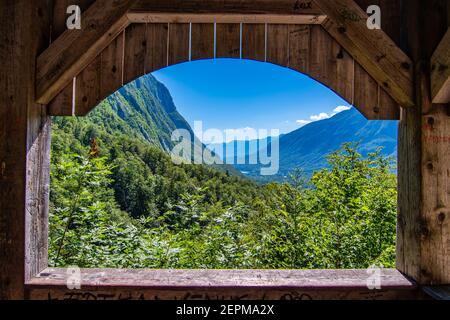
[223, 7]
[76, 49]
[24, 148]
[372, 49]
[150, 17]
[229, 11]
[440, 71]
[221, 284]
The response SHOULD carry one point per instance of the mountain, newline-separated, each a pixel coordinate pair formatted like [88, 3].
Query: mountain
[146, 108]
[308, 147]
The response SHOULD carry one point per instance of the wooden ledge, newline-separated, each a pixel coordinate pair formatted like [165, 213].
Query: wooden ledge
[220, 284]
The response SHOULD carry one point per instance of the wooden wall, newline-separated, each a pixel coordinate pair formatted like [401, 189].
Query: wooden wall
[423, 232]
[24, 146]
[143, 48]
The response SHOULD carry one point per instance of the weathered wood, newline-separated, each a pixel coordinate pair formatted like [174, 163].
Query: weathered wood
[221, 284]
[366, 93]
[178, 43]
[278, 44]
[440, 71]
[423, 235]
[63, 103]
[24, 147]
[87, 88]
[228, 40]
[202, 42]
[75, 49]
[157, 46]
[254, 42]
[373, 49]
[135, 52]
[322, 62]
[152, 17]
[299, 48]
[220, 7]
[112, 67]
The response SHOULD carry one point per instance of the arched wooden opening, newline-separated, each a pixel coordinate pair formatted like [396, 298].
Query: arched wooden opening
[42, 58]
[145, 47]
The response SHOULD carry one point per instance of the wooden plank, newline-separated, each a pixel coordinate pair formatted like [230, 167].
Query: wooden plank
[278, 44]
[228, 40]
[323, 61]
[24, 132]
[440, 71]
[75, 49]
[254, 42]
[157, 37]
[152, 17]
[423, 243]
[222, 284]
[344, 73]
[135, 52]
[202, 41]
[87, 92]
[366, 94]
[299, 48]
[112, 62]
[62, 104]
[388, 108]
[178, 43]
[220, 7]
[373, 49]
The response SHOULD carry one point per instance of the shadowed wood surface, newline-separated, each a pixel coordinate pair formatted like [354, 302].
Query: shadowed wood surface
[440, 71]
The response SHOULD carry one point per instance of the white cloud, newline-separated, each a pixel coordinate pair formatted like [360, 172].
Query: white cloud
[323, 115]
[320, 116]
[341, 108]
[303, 122]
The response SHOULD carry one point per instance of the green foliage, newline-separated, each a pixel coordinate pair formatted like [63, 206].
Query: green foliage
[130, 206]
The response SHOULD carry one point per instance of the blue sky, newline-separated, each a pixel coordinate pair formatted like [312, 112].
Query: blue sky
[233, 94]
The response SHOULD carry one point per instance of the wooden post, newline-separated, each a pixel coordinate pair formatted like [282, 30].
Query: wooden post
[423, 244]
[24, 145]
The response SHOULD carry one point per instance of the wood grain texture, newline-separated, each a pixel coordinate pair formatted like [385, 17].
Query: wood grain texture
[178, 43]
[112, 62]
[278, 44]
[323, 61]
[25, 148]
[87, 88]
[254, 42]
[228, 40]
[202, 41]
[373, 49]
[75, 49]
[221, 284]
[220, 7]
[366, 93]
[440, 71]
[423, 244]
[157, 38]
[135, 52]
[62, 104]
[152, 17]
[299, 48]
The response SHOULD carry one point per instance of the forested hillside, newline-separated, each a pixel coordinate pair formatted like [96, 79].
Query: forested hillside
[308, 147]
[118, 200]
